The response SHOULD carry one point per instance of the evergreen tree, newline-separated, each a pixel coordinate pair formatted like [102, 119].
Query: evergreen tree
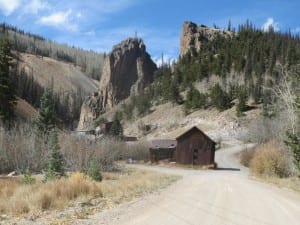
[46, 116]
[7, 90]
[55, 168]
[194, 99]
[242, 98]
[219, 98]
[174, 93]
[116, 129]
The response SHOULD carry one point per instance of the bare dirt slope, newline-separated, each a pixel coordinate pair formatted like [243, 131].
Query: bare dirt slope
[65, 75]
[221, 197]
[25, 110]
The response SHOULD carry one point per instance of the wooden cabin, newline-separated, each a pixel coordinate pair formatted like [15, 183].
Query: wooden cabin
[192, 147]
[195, 147]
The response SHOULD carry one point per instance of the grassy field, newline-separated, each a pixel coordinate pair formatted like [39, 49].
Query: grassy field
[77, 191]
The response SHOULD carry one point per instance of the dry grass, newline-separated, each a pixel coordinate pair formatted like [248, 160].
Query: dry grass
[246, 156]
[18, 199]
[292, 183]
[270, 160]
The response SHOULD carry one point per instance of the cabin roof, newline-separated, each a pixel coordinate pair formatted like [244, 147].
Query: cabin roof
[197, 130]
[163, 143]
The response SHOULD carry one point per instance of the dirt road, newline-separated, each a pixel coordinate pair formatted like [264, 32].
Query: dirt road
[221, 197]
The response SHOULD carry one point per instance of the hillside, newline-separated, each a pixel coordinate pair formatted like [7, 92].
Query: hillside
[65, 76]
[223, 80]
[24, 110]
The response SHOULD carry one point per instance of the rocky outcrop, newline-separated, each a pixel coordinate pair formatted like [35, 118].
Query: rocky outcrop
[193, 37]
[127, 70]
[90, 110]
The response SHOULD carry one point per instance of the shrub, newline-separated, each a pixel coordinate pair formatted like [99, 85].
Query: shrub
[27, 178]
[293, 141]
[137, 151]
[270, 160]
[94, 171]
[246, 157]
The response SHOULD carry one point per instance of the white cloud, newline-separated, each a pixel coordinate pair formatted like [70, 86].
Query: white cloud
[34, 6]
[62, 20]
[79, 15]
[270, 23]
[296, 30]
[9, 6]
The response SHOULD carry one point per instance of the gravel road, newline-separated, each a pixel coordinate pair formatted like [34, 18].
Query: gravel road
[226, 196]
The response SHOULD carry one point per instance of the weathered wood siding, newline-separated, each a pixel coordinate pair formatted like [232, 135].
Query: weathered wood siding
[194, 147]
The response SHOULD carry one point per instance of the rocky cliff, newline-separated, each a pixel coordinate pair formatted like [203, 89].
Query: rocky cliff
[127, 70]
[194, 36]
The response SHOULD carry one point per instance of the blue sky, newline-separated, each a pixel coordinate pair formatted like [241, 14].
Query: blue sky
[99, 24]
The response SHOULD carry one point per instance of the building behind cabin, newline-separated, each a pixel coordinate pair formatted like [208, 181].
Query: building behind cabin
[162, 149]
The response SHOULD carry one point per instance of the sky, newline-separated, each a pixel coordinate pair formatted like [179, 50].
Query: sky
[99, 24]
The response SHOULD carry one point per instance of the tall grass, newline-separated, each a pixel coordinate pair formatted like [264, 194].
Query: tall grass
[270, 159]
[16, 199]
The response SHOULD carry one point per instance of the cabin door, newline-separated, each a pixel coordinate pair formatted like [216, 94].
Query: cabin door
[195, 156]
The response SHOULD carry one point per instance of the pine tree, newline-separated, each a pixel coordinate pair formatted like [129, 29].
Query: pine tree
[7, 90]
[55, 168]
[219, 98]
[242, 98]
[174, 93]
[46, 117]
[116, 129]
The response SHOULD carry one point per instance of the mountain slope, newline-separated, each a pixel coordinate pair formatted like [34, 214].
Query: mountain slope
[65, 76]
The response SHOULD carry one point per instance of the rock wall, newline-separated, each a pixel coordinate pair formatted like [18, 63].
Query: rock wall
[90, 110]
[194, 36]
[127, 70]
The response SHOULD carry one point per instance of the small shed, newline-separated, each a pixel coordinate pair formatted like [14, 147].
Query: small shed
[162, 149]
[195, 147]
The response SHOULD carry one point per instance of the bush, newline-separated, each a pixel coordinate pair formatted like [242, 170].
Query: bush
[21, 149]
[293, 142]
[94, 171]
[27, 178]
[247, 156]
[137, 151]
[270, 160]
